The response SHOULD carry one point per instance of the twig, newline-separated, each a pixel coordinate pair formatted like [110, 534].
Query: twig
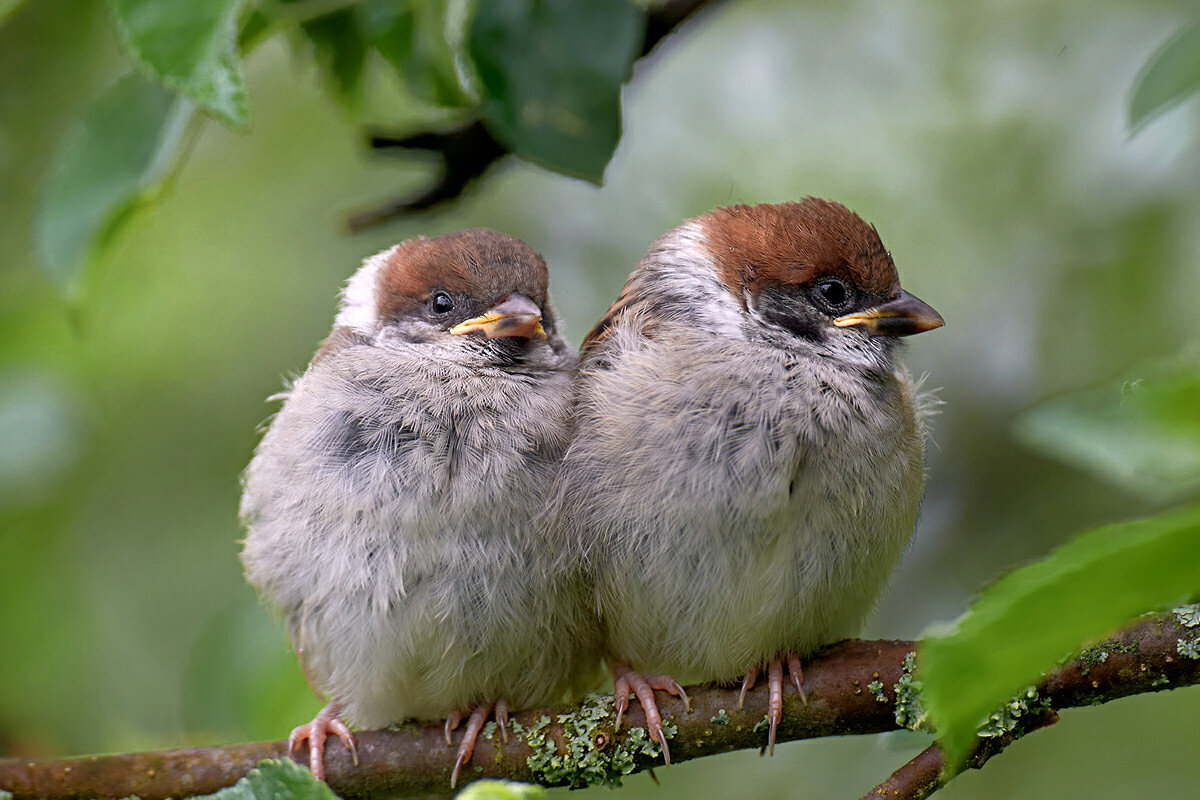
[561, 750]
[916, 779]
[467, 152]
[924, 773]
[1142, 658]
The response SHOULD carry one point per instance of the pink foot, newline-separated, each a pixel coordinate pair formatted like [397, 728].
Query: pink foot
[478, 717]
[625, 681]
[775, 690]
[316, 732]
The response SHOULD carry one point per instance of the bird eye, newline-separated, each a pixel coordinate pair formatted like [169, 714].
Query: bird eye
[833, 294]
[441, 303]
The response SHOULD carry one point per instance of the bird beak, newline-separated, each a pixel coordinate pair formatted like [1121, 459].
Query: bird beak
[903, 316]
[514, 315]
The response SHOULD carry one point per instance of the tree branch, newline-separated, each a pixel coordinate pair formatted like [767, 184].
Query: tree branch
[924, 773]
[577, 745]
[467, 152]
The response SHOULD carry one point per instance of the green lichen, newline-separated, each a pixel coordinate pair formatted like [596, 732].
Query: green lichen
[637, 742]
[1188, 615]
[762, 725]
[1102, 651]
[875, 687]
[544, 747]
[910, 710]
[594, 755]
[1005, 718]
[489, 730]
[5, 795]
[721, 718]
[1161, 680]
[1188, 648]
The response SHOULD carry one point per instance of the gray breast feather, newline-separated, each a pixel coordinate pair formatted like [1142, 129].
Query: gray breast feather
[736, 500]
[393, 528]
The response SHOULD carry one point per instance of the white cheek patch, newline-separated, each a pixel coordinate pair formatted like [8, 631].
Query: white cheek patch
[358, 310]
[686, 269]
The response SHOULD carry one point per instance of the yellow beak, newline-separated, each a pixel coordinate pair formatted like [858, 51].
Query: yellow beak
[903, 316]
[514, 315]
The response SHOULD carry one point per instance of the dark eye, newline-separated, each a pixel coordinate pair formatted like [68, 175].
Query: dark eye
[441, 303]
[833, 294]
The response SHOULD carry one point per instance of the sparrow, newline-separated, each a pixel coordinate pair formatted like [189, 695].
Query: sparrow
[390, 505]
[747, 465]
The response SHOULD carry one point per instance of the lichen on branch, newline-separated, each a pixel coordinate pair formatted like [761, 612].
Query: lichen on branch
[853, 687]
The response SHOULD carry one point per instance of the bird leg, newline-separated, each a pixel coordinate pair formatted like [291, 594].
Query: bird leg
[775, 669]
[478, 716]
[324, 723]
[625, 681]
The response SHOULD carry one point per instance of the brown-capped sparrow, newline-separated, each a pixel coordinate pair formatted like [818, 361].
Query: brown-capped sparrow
[747, 465]
[390, 504]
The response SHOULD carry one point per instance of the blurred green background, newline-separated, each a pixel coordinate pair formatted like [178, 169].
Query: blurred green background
[987, 141]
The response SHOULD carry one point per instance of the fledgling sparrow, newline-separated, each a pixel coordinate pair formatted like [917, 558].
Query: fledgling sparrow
[747, 465]
[390, 504]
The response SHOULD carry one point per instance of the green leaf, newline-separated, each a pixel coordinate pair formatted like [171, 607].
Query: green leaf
[501, 790]
[191, 45]
[254, 29]
[341, 49]
[116, 158]
[1169, 77]
[7, 7]
[1143, 435]
[550, 72]
[1031, 618]
[276, 780]
[412, 37]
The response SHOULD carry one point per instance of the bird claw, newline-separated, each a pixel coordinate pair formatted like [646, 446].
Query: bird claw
[775, 669]
[797, 676]
[452, 721]
[466, 748]
[747, 684]
[774, 700]
[316, 732]
[501, 715]
[627, 681]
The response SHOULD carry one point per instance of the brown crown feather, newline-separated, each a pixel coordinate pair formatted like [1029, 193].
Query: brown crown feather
[796, 243]
[480, 263]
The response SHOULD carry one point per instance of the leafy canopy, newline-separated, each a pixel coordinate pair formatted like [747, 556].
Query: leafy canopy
[545, 77]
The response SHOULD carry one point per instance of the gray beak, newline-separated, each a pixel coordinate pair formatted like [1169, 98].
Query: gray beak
[514, 315]
[902, 316]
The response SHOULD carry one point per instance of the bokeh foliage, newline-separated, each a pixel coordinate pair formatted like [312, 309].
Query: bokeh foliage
[545, 76]
[992, 146]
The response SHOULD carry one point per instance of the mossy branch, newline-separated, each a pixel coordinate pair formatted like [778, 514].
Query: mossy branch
[851, 687]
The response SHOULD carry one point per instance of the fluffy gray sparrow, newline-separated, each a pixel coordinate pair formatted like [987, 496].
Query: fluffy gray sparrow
[390, 504]
[747, 466]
